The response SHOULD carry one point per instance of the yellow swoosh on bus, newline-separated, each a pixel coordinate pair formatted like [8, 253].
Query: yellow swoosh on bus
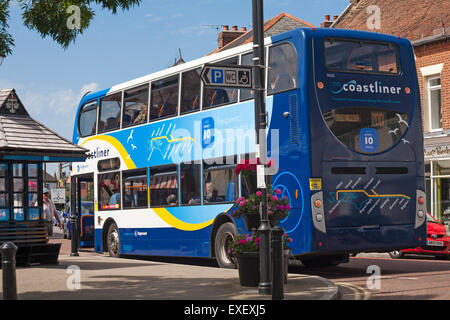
[165, 215]
[373, 195]
[119, 147]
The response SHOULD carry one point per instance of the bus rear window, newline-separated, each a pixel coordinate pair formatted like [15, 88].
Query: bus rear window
[361, 57]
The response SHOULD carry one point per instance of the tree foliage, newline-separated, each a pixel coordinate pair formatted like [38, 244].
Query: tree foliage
[50, 18]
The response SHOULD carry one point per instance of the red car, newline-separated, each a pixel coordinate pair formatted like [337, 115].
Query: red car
[438, 242]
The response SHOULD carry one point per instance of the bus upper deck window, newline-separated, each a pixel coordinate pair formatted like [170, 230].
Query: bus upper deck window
[110, 108]
[135, 103]
[360, 56]
[190, 91]
[88, 119]
[164, 98]
[282, 68]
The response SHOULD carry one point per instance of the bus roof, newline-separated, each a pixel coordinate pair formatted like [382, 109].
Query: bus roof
[307, 32]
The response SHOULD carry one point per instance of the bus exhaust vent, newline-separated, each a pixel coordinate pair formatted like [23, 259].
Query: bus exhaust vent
[392, 170]
[348, 170]
[293, 119]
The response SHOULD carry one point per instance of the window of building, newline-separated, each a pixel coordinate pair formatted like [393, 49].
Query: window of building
[190, 91]
[190, 175]
[135, 106]
[435, 102]
[164, 186]
[214, 97]
[109, 191]
[18, 191]
[135, 189]
[247, 60]
[33, 188]
[88, 119]
[164, 98]
[110, 108]
[220, 182]
[4, 192]
[282, 68]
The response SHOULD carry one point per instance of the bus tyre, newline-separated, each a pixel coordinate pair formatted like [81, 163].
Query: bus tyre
[225, 234]
[113, 241]
[397, 254]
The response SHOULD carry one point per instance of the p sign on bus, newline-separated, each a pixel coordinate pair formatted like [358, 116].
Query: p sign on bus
[227, 76]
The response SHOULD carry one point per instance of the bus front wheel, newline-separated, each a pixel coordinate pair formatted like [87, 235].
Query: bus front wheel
[225, 234]
[113, 241]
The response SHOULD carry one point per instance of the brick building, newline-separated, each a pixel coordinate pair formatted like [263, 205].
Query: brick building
[426, 23]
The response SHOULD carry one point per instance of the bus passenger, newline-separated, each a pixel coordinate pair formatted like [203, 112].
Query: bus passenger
[172, 200]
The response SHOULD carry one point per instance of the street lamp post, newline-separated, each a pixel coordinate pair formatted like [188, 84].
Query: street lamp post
[265, 284]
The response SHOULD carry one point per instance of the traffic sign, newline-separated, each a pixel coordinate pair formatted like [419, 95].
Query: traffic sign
[58, 195]
[227, 76]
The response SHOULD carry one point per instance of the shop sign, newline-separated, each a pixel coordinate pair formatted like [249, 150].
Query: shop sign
[436, 152]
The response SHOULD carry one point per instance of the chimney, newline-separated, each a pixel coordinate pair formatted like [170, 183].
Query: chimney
[327, 23]
[227, 35]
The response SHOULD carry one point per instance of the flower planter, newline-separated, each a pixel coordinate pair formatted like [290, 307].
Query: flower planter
[252, 221]
[248, 267]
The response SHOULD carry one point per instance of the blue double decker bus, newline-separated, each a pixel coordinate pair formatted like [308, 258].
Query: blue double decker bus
[345, 131]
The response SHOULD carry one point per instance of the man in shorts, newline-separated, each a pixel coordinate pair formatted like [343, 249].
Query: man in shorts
[49, 213]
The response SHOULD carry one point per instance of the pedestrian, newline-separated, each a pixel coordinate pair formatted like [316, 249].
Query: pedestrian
[49, 213]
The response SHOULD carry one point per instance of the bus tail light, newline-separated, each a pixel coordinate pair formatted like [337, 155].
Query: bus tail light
[421, 200]
[420, 209]
[318, 213]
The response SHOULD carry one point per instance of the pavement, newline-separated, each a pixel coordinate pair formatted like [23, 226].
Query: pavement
[93, 276]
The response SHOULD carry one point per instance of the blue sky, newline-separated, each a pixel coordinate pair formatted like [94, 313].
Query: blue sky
[118, 48]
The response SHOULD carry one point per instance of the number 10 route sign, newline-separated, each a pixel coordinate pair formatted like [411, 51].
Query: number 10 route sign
[227, 76]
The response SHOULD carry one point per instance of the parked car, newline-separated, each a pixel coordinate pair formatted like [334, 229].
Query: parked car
[438, 242]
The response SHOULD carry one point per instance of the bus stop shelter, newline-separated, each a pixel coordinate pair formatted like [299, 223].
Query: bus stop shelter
[25, 145]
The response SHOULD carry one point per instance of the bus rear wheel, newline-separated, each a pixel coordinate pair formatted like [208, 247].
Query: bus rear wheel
[225, 234]
[113, 241]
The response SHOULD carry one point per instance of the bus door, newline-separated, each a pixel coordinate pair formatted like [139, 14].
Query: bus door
[84, 188]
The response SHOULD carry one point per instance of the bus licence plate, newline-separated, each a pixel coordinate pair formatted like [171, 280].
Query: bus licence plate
[435, 243]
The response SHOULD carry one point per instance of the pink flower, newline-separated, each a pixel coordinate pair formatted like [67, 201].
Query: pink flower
[241, 204]
[259, 193]
[274, 198]
[278, 191]
[281, 207]
[288, 207]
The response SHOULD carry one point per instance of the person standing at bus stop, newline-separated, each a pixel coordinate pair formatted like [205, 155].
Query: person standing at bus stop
[49, 213]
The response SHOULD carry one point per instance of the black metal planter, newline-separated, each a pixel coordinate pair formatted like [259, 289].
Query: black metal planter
[248, 266]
